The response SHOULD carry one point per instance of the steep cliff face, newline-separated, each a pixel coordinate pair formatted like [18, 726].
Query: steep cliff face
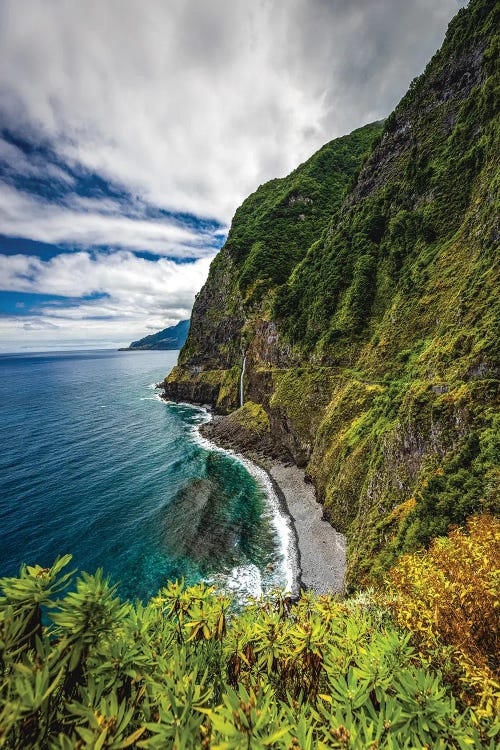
[270, 234]
[370, 319]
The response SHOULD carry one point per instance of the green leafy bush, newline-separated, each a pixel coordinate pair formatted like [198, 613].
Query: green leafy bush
[187, 671]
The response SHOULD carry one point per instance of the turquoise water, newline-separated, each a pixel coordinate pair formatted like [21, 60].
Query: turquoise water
[94, 464]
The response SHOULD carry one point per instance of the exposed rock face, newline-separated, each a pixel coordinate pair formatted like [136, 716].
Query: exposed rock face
[247, 429]
[451, 85]
[214, 339]
[190, 390]
[373, 349]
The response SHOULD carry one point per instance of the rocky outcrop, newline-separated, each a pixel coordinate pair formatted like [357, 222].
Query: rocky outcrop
[190, 390]
[246, 430]
[436, 95]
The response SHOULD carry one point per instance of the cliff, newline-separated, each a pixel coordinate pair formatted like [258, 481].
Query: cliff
[270, 234]
[361, 290]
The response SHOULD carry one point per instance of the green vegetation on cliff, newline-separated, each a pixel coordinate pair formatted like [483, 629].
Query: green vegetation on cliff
[438, 185]
[275, 226]
[270, 233]
[374, 350]
[405, 287]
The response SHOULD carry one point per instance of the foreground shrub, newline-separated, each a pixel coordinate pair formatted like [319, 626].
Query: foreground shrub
[187, 672]
[448, 598]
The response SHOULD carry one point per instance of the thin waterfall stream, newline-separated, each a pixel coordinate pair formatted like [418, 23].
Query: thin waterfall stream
[243, 367]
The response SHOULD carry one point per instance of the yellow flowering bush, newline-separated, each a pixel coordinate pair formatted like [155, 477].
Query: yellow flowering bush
[448, 596]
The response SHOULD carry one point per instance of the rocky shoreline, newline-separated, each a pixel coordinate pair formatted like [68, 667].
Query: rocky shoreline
[321, 549]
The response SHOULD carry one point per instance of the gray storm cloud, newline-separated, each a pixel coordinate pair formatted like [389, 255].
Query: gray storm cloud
[193, 105]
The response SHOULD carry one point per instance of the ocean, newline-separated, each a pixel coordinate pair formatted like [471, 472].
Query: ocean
[93, 463]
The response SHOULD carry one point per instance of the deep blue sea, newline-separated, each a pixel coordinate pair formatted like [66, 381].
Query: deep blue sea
[93, 463]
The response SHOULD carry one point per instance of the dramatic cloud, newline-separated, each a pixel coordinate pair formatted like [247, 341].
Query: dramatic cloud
[15, 163]
[194, 104]
[91, 222]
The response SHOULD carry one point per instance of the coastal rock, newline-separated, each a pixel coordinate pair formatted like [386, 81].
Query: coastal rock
[246, 430]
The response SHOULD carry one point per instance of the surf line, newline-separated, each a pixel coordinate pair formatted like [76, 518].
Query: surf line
[280, 518]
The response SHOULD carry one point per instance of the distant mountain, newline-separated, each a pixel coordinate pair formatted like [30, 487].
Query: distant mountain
[172, 337]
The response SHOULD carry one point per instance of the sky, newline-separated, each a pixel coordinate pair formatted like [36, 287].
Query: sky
[130, 132]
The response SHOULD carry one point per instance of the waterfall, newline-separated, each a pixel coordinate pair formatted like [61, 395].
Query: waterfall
[243, 366]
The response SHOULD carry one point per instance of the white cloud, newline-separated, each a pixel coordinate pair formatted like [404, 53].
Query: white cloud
[39, 325]
[89, 222]
[120, 274]
[141, 295]
[193, 104]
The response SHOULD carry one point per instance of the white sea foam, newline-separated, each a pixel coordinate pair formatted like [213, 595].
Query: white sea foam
[279, 519]
[242, 582]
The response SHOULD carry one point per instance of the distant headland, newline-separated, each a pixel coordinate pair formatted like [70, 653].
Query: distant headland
[169, 338]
